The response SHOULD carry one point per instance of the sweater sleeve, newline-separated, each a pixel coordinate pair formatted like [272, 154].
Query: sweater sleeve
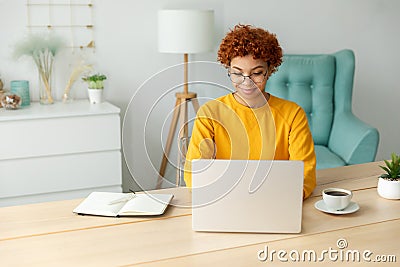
[201, 144]
[301, 147]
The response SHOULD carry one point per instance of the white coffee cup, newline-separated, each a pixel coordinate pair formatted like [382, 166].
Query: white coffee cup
[336, 198]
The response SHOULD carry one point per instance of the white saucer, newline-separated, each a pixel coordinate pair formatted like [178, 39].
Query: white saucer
[352, 207]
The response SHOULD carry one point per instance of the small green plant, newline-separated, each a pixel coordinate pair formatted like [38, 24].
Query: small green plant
[392, 168]
[95, 81]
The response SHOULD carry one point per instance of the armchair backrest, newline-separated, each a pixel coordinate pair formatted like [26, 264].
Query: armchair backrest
[321, 84]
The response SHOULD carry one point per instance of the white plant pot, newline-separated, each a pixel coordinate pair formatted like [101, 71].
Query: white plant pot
[389, 189]
[95, 96]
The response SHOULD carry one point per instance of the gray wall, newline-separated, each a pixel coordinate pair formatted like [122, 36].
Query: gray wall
[126, 50]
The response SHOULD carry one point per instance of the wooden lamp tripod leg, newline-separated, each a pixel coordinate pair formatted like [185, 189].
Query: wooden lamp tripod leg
[168, 145]
[195, 104]
[182, 137]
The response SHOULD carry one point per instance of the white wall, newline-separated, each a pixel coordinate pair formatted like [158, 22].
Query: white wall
[126, 50]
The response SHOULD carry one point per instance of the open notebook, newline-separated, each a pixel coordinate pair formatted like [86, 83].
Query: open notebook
[123, 204]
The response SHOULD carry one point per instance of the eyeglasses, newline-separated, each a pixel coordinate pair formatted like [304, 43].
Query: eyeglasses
[239, 78]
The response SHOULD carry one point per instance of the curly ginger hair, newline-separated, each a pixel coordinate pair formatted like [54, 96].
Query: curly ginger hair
[246, 40]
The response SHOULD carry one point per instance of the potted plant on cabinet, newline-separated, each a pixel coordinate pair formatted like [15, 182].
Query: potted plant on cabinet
[95, 87]
[389, 182]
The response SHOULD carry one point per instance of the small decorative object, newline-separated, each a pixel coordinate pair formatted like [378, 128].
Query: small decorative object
[1, 96]
[95, 87]
[42, 49]
[21, 88]
[1, 91]
[389, 182]
[10, 101]
[76, 72]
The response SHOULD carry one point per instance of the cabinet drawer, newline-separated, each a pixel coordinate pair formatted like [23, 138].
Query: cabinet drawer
[54, 136]
[40, 175]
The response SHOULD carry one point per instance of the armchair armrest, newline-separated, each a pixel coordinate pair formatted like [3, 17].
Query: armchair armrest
[352, 139]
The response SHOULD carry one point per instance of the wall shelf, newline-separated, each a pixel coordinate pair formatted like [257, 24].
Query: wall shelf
[71, 19]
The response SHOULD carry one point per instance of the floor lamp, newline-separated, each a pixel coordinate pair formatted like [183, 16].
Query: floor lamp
[183, 32]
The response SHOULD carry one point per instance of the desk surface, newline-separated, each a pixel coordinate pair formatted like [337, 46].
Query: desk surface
[49, 234]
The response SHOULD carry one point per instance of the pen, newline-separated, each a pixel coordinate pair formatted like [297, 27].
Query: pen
[126, 198]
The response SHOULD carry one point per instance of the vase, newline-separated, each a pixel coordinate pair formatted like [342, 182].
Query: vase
[67, 98]
[388, 189]
[21, 88]
[95, 96]
[45, 87]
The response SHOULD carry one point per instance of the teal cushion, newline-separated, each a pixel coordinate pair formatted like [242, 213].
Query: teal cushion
[308, 80]
[327, 159]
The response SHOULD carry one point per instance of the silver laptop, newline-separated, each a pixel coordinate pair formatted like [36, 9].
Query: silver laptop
[247, 195]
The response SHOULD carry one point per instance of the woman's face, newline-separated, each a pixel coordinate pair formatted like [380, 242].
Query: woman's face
[250, 87]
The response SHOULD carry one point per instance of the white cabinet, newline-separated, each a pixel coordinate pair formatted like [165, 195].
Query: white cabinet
[59, 151]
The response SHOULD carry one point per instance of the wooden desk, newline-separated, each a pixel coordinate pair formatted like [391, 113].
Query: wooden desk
[49, 234]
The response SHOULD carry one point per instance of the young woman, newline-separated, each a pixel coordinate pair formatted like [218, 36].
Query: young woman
[251, 123]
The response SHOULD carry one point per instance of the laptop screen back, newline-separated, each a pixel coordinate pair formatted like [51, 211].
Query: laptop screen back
[247, 195]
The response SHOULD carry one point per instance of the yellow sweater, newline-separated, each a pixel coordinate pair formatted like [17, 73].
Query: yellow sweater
[226, 129]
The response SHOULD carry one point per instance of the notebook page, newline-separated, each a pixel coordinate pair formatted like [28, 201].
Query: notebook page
[97, 203]
[146, 204]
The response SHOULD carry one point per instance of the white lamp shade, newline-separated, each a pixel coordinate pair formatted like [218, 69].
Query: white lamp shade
[185, 31]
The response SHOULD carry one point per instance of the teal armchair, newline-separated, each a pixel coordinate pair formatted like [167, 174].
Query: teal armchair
[322, 85]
